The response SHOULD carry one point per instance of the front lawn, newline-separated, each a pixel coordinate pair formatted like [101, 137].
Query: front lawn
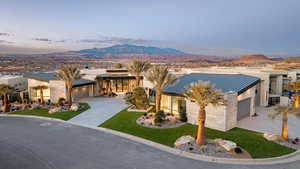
[60, 115]
[251, 141]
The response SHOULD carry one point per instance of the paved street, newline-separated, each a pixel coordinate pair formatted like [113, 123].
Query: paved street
[102, 109]
[263, 123]
[28, 143]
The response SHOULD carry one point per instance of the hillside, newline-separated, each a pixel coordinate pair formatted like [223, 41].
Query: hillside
[253, 59]
[131, 49]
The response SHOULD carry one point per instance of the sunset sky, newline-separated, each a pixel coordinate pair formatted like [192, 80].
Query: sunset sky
[213, 27]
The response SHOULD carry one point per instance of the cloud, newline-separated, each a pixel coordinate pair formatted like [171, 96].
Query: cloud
[5, 41]
[115, 40]
[42, 39]
[4, 34]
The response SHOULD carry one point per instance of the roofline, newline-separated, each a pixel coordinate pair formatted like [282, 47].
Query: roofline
[248, 87]
[29, 77]
[84, 84]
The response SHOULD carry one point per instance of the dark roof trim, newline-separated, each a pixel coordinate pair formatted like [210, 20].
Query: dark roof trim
[84, 84]
[117, 71]
[248, 87]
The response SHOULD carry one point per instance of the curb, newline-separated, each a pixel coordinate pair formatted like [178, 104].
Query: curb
[275, 160]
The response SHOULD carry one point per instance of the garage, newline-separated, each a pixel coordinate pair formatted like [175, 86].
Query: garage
[81, 92]
[243, 109]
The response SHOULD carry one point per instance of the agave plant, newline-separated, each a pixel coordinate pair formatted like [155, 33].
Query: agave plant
[203, 93]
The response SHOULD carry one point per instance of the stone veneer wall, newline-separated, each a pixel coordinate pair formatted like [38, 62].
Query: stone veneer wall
[231, 111]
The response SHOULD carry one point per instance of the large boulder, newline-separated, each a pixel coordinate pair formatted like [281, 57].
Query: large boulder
[54, 110]
[74, 107]
[34, 106]
[184, 140]
[272, 137]
[226, 144]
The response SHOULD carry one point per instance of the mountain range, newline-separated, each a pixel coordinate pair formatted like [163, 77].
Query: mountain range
[131, 49]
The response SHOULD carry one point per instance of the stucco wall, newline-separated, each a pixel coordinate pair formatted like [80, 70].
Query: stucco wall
[57, 90]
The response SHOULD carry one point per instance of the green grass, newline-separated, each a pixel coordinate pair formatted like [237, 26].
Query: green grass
[251, 141]
[60, 115]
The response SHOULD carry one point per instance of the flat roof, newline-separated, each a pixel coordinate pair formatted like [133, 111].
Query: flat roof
[224, 82]
[46, 77]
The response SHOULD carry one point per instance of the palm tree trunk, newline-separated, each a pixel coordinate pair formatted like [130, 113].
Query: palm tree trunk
[5, 103]
[285, 131]
[201, 136]
[137, 82]
[42, 96]
[158, 100]
[296, 100]
[69, 92]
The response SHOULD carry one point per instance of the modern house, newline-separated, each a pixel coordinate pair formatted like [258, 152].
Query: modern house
[241, 93]
[56, 88]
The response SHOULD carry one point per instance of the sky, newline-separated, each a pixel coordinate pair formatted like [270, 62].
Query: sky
[208, 27]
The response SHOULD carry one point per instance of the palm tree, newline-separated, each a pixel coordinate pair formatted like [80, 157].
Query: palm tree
[69, 73]
[295, 87]
[285, 112]
[137, 68]
[41, 88]
[5, 90]
[160, 77]
[204, 93]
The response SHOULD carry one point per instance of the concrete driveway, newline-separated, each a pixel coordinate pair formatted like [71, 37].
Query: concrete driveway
[102, 108]
[29, 143]
[263, 123]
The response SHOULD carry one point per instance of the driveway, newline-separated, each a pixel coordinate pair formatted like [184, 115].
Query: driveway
[263, 123]
[102, 109]
[28, 143]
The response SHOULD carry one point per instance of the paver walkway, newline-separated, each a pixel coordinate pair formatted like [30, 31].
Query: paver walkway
[101, 110]
[263, 123]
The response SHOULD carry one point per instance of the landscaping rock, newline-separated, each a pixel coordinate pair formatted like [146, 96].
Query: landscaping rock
[54, 110]
[183, 140]
[226, 144]
[75, 107]
[272, 137]
[34, 106]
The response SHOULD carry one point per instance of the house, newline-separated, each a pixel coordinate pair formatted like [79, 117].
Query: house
[241, 93]
[18, 82]
[56, 88]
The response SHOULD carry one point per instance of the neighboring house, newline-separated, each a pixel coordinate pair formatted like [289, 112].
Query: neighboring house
[57, 88]
[18, 82]
[241, 93]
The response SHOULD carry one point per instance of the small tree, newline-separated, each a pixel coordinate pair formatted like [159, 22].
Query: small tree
[138, 98]
[295, 87]
[284, 112]
[69, 73]
[118, 66]
[137, 68]
[204, 93]
[160, 77]
[6, 90]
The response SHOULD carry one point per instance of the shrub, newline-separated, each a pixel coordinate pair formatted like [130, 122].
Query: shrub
[159, 117]
[138, 98]
[182, 116]
[61, 101]
[238, 150]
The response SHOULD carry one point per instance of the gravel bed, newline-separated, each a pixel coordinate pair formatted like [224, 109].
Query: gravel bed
[165, 124]
[289, 144]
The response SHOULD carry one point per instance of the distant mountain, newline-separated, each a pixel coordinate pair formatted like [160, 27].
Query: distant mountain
[253, 59]
[131, 49]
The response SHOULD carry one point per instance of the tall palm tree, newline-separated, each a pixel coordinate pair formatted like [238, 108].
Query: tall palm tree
[204, 93]
[136, 68]
[69, 73]
[295, 87]
[5, 90]
[41, 88]
[160, 77]
[284, 112]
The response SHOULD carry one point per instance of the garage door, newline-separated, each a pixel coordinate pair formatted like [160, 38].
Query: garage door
[80, 92]
[243, 109]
